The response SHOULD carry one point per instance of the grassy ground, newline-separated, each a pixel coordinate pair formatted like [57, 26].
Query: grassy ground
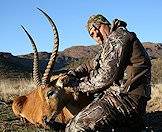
[9, 122]
[11, 88]
[8, 90]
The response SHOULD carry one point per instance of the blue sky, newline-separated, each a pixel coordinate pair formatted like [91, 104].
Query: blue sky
[142, 16]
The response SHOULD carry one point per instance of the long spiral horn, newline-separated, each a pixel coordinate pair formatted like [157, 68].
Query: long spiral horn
[36, 75]
[46, 75]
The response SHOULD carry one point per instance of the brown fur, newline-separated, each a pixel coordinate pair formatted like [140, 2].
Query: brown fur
[49, 100]
[35, 106]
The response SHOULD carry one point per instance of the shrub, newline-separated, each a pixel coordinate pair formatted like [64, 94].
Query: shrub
[157, 71]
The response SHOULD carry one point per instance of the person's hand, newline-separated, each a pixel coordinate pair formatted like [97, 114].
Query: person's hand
[72, 73]
[62, 80]
[66, 79]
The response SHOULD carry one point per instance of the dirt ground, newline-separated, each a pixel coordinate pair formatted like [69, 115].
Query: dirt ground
[10, 123]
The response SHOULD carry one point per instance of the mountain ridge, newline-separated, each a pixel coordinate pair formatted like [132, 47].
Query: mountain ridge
[13, 66]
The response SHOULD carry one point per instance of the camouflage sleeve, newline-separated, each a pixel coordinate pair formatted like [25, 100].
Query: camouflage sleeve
[91, 63]
[113, 62]
[83, 70]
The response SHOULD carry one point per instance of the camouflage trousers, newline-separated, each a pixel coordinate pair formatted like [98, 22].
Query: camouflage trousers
[107, 112]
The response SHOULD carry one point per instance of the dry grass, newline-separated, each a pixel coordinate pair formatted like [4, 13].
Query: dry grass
[157, 71]
[155, 104]
[9, 89]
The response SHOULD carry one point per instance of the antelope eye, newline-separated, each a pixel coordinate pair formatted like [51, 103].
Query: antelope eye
[51, 93]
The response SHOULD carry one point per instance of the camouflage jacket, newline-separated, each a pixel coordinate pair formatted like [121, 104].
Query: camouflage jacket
[121, 51]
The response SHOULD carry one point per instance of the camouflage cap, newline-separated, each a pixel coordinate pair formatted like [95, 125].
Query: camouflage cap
[96, 19]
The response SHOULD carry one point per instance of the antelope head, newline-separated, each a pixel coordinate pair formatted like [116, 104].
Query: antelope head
[46, 100]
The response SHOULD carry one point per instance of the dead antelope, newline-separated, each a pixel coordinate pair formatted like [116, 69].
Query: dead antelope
[48, 101]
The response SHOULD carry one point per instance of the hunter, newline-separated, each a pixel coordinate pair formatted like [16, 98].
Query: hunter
[121, 73]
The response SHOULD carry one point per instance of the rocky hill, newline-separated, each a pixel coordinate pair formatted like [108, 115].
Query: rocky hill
[153, 49]
[21, 66]
[13, 66]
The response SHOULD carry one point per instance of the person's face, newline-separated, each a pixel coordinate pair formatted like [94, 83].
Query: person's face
[99, 33]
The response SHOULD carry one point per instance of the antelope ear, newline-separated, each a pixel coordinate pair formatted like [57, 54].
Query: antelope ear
[60, 80]
[54, 78]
